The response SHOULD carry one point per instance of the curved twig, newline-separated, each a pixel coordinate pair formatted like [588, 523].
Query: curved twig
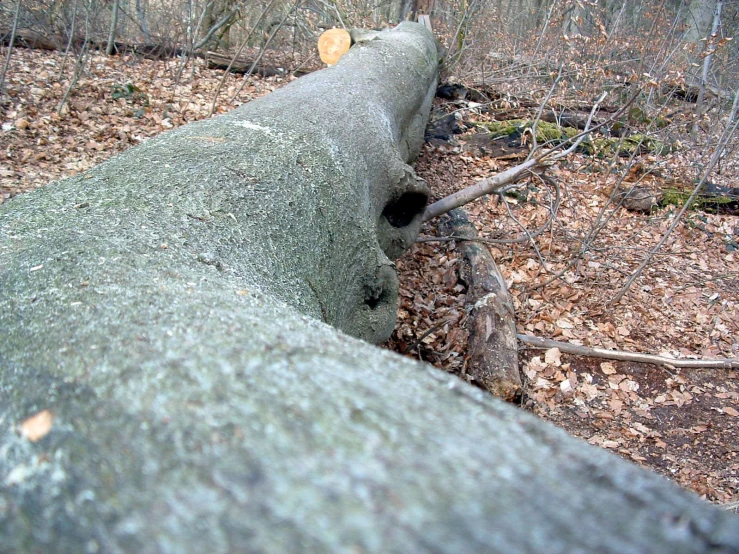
[723, 141]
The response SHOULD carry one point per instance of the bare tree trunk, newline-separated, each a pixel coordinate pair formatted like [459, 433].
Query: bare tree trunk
[16, 16]
[142, 21]
[699, 104]
[699, 17]
[110, 49]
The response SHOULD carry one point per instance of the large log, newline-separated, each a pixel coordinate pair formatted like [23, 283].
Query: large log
[167, 384]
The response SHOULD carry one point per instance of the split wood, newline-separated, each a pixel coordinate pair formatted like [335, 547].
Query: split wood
[621, 355]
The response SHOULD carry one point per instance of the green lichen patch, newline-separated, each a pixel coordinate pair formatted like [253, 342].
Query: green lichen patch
[545, 132]
[638, 143]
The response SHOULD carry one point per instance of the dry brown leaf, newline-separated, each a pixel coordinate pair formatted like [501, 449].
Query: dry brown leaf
[38, 426]
[553, 356]
[608, 368]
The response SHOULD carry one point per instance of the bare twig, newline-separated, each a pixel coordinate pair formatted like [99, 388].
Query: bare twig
[540, 111]
[10, 44]
[225, 20]
[416, 343]
[489, 185]
[723, 141]
[266, 44]
[527, 236]
[628, 356]
[237, 54]
[69, 40]
[80, 62]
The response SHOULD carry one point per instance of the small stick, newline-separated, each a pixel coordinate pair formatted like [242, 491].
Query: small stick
[729, 363]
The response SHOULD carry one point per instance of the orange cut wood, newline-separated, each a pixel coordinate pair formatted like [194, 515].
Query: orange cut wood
[333, 44]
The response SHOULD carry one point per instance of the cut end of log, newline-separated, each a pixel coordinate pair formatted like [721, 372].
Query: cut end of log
[333, 44]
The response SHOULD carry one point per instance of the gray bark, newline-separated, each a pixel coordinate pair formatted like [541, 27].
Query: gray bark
[492, 346]
[143, 25]
[16, 16]
[110, 49]
[699, 17]
[166, 307]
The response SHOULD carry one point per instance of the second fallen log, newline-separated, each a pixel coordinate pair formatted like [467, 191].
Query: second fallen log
[493, 350]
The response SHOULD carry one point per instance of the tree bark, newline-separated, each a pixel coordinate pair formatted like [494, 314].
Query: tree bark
[143, 25]
[168, 382]
[110, 49]
[11, 40]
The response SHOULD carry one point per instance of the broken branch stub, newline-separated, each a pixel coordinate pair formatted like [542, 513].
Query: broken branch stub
[166, 308]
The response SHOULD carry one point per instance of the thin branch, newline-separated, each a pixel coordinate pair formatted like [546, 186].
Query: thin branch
[224, 21]
[723, 141]
[627, 356]
[521, 239]
[266, 44]
[227, 72]
[416, 343]
[69, 41]
[79, 66]
[513, 174]
[540, 111]
[10, 44]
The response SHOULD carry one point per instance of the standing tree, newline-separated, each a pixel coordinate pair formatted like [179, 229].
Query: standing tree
[110, 49]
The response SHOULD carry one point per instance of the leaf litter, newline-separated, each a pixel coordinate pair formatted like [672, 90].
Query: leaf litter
[680, 423]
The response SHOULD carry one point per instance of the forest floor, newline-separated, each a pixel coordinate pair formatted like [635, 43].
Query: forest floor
[683, 423]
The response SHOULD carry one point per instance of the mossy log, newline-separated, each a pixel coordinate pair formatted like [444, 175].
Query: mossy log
[176, 373]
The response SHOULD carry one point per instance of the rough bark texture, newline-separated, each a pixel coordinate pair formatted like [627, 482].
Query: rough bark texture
[493, 349]
[165, 307]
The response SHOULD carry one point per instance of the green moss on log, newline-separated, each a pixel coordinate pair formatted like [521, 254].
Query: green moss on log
[545, 132]
[552, 135]
[606, 147]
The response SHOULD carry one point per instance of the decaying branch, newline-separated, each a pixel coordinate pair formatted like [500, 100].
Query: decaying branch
[538, 159]
[492, 351]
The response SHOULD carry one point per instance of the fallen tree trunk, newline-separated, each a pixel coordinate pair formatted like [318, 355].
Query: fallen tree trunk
[28, 38]
[493, 350]
[168, 385]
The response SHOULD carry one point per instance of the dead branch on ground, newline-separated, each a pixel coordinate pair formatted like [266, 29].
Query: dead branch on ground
[627, 356]
[536, 161]
[493, 351]
[720, 147]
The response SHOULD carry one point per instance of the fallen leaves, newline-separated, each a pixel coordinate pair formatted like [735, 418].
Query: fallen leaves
[115, 105]
[685, 305]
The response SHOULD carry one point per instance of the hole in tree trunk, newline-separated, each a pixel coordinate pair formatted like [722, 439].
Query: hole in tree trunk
[402, 211]
[374, 297]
